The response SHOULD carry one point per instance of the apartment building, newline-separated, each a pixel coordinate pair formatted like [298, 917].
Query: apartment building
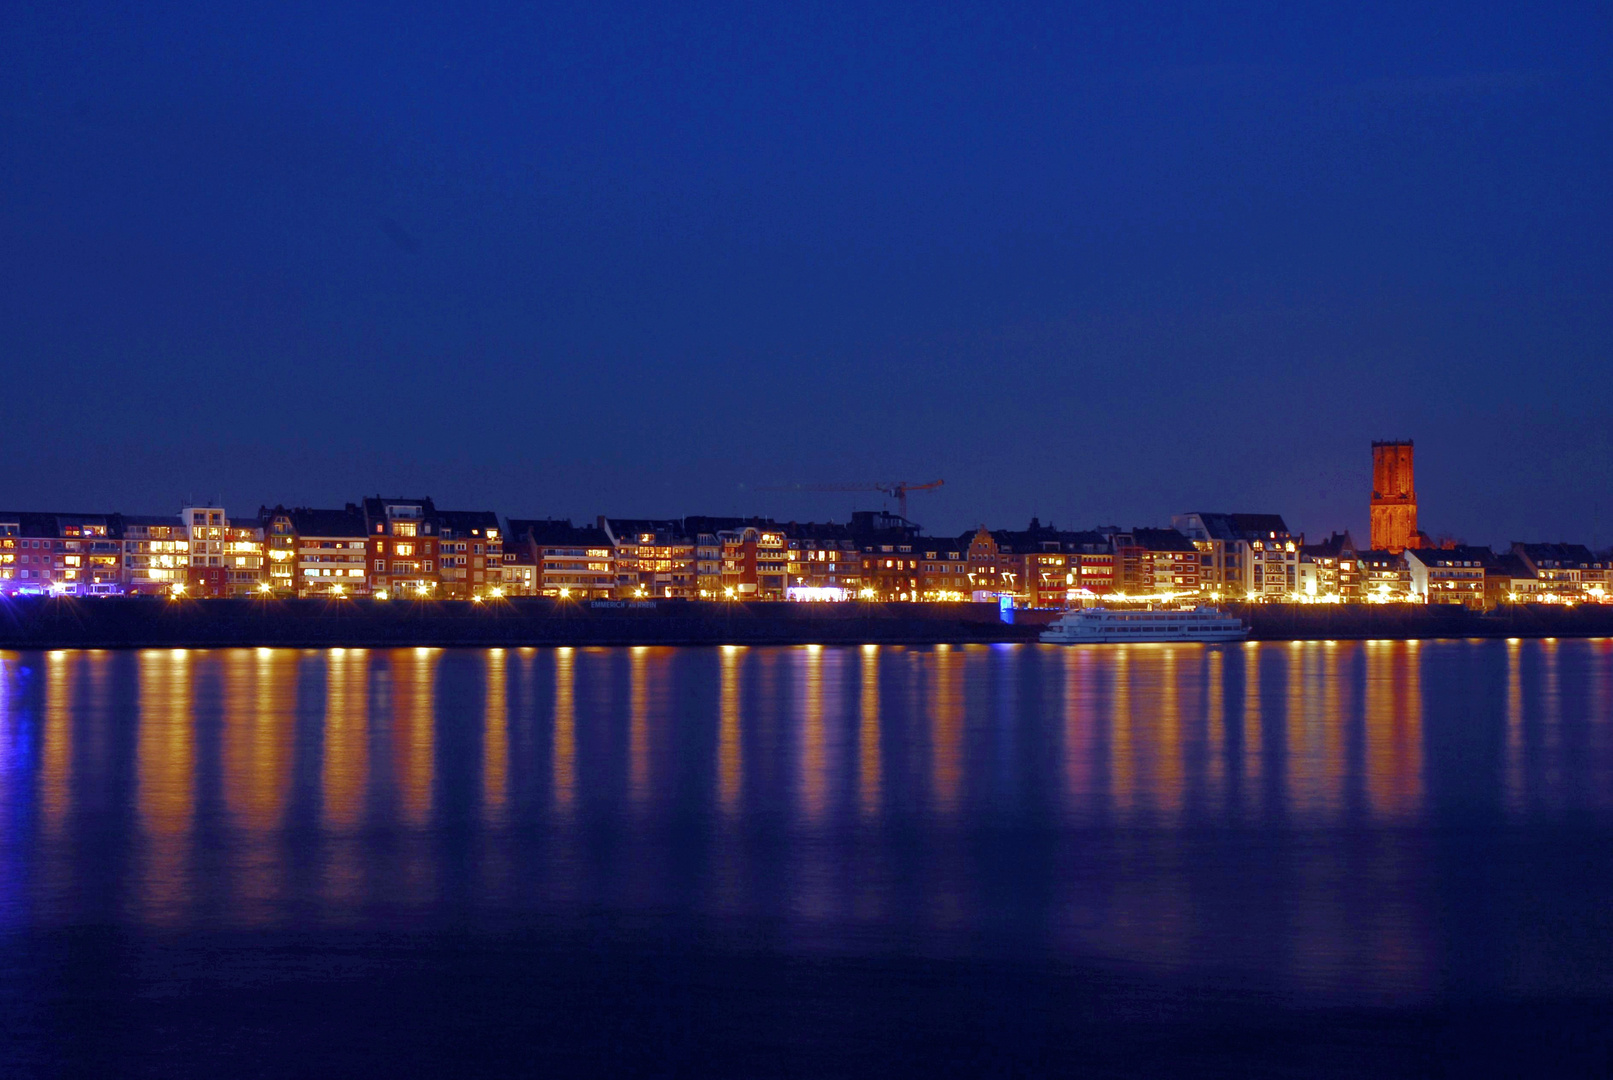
[1248, 556]
[206, 576]
[156, 554]
[470, 554]
[653, 559]
[520, 570]
[569, 561]
[1385, 576]
[60, 554]
[309, 552]
[1452, 575]
[824, 560]
[402, 548]
[1565, 572]
[1330, 569]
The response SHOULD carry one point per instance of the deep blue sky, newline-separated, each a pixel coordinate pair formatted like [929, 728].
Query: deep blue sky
[1096, 265]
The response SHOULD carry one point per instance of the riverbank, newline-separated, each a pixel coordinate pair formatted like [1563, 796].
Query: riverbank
[132, 622]
[1356, 622]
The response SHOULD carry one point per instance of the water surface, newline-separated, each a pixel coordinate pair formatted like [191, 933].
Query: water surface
[1366, 856]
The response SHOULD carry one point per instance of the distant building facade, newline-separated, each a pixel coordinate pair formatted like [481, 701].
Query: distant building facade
[1245, 556]
[1566, 572]
[1453, 575]
[310, 552]
[1385, 576]
[569, 561]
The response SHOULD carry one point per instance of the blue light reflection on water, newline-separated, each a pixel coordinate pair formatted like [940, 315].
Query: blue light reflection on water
[1354, 821]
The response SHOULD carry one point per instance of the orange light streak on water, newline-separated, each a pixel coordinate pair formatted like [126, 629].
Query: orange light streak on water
[495, 738]
[947, 716]
[564, 749]
[868, 758]
[165, 793]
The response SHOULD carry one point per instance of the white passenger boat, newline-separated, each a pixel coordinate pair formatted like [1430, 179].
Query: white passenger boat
[1080, 626]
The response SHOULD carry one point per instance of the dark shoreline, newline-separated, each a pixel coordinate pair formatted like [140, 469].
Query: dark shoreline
[132, 623]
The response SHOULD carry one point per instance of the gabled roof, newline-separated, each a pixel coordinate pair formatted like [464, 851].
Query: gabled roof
[710, 526]
[821, 531]
[464, 523]
[374, 506]
[1559, 556]
[1452, 556]
[1243, 526]
[665, 530]
[1034, 537]
[1510, 564]
[50, 523]
[347, 523]
[945, 547]
[1161, 540]
[554, 532]
[1088, 541]
[1337, 545]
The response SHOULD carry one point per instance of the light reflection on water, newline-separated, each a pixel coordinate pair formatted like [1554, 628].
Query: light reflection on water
[1281, 810]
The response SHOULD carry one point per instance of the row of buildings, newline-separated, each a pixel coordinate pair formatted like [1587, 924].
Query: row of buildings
[408, 548]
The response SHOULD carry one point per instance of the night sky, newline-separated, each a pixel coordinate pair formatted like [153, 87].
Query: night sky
[1099, 266]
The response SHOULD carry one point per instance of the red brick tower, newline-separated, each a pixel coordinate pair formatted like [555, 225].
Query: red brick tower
[1394, 497]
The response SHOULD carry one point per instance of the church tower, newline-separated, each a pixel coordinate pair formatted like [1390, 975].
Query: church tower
[1394, 497]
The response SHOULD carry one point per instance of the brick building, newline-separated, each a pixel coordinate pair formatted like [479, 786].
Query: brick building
[1394, 497]
[1157, 562]
[60, 554]
[402, 547]
[569, 561]
[470, 554]
[312, 552]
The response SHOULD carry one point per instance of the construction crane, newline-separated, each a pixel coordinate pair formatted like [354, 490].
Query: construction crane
[897, 489]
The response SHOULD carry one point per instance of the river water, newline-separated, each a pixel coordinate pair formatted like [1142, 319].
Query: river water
[1345, 857]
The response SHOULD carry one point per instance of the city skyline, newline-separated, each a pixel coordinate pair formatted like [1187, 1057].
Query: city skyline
[773, 503]
[1083, 268]
[400, 546]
